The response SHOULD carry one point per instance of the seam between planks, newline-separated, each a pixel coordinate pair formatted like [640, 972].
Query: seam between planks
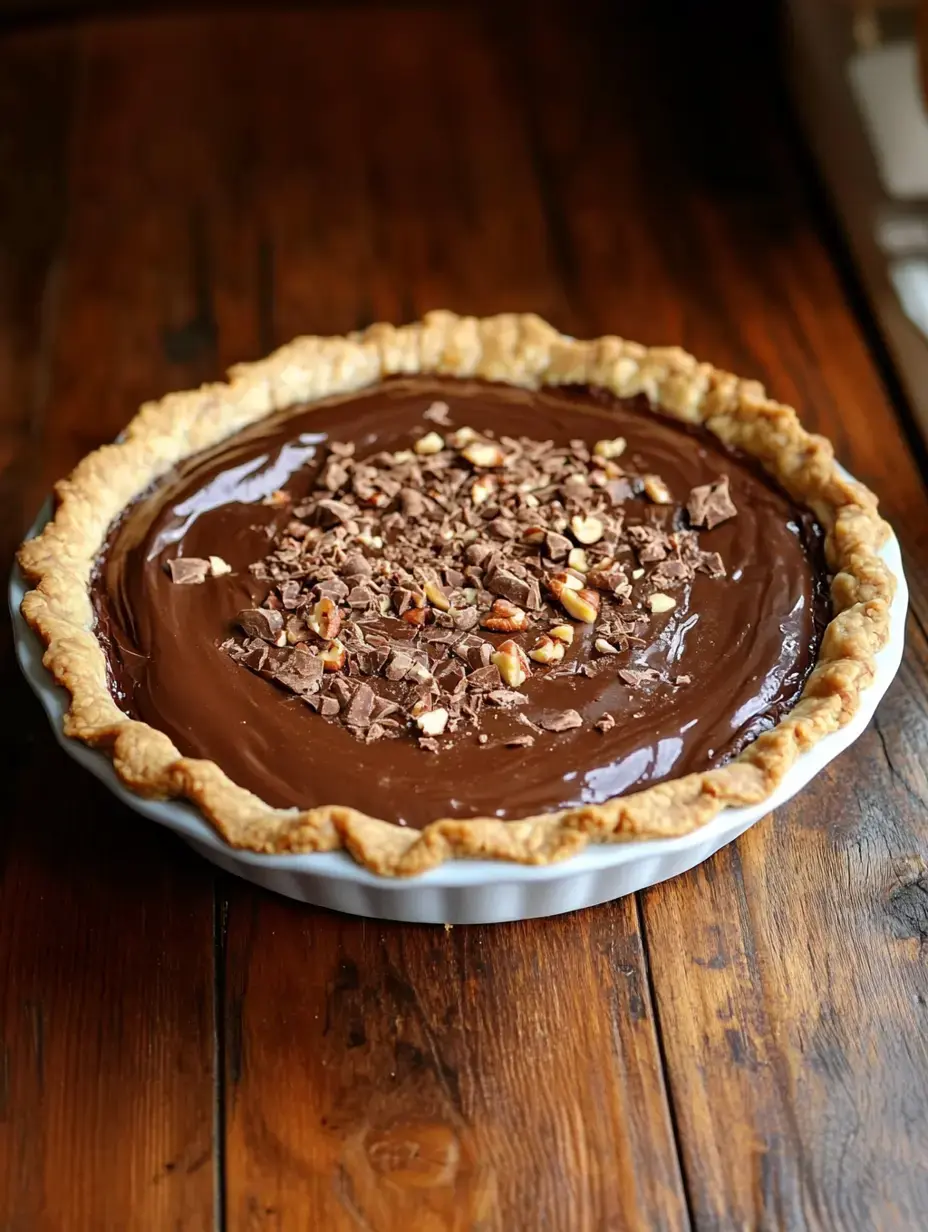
[220, 950]
[682, 1178]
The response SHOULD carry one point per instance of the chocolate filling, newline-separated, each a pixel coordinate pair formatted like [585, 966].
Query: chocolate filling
[696, 683]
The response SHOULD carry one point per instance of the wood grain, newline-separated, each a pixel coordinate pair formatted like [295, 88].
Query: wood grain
[741, 1047]
[385, 1077]
[106, 927]
[791, 999]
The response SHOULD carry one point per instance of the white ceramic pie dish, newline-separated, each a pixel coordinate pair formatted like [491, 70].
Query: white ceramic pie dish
[464, 891]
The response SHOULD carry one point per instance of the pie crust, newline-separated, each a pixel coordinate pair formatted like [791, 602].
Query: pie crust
[519, 350]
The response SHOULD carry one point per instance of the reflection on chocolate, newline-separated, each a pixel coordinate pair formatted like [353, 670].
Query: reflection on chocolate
[747, 642]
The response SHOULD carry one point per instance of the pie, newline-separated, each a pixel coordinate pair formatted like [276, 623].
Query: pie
[461, 588]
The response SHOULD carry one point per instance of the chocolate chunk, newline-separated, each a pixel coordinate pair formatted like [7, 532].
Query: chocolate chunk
[438, 413]
[332, 588]
[361, 707]
[412, 503]
[422, 544]
[399, 665]
[450, 674]
[650, 543]
[253, 654]
[557, 545]
[478, 552]
[188, 570]
[610, 577]
[712, 564]
[635, 676]
[503, 528]
[563, 721]
[464, 617]
[507, 584]
[484, 678]
[507, 698]
[519, 742]
[403, 600]
[362, 597]
[671, 573]
[260, 622]
[301, 672]
[356, 565]
[334, 475]
[710, 504]
[334, 512]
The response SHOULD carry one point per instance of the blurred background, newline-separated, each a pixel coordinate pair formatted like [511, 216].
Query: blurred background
[399, 157]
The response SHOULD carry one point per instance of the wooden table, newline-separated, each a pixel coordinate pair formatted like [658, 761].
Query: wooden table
[743, 1047]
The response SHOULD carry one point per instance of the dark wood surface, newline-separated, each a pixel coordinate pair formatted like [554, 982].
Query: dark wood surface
[743, 1047]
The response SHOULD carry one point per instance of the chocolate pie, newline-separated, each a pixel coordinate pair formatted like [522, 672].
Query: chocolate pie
[460, 588]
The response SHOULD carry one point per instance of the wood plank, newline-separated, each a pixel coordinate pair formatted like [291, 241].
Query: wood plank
[385, 1076]
[106, 925]
[442, 1082]
[788, 974]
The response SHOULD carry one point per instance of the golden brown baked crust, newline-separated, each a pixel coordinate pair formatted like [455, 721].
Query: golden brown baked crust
[519, 350]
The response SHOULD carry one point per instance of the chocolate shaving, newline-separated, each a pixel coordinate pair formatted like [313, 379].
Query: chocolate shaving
[711, 504]
[560, 722]
[635, 676]
[386, 569]
[260, 622]
[188, 570]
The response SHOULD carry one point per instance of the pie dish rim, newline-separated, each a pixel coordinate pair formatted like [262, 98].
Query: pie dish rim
[520, 350]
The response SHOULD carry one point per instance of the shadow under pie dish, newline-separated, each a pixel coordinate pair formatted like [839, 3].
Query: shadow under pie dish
[460, 588]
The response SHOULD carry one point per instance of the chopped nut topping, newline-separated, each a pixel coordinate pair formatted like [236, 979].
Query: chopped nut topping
[437, 597]
[581, 604]
[483, 454]
[334, 656]
[384, 577]
[461, 437]
[657, 490]
[483, 488]
[610, 449]
[505, 617]
[511, 661]
[219, 567]
[605, 723]
[433, 722]
[561, 582]
[325, 620]
[429, 444]
[547, 650]
[662, 603]
[586, 530]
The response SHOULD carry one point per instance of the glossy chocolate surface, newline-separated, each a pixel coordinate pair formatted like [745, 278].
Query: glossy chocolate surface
[746, 641]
